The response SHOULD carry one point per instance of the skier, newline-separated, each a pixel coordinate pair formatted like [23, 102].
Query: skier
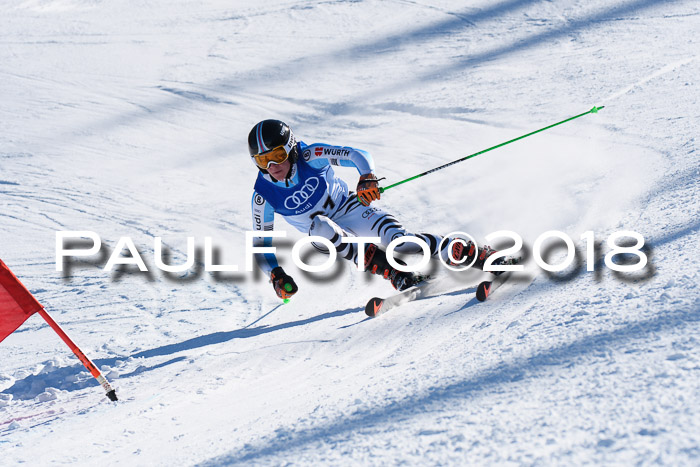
[297, 181]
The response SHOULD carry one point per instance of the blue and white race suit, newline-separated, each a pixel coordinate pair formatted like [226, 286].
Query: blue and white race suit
[315, 201]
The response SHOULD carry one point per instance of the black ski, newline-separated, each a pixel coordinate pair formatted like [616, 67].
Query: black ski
[428, 288]
[486, 288]
[377, 305]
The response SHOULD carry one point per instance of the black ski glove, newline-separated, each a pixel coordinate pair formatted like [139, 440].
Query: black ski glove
[284, 285]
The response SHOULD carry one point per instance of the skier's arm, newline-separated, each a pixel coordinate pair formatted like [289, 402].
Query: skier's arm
[319, 155]
[264, 220]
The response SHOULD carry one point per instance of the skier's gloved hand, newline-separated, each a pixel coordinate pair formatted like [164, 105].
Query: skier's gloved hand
[284, 285]
[368, 189]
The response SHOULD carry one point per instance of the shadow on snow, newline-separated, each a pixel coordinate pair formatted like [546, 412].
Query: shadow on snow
[432, 399]
[354, 53]
[75, 377]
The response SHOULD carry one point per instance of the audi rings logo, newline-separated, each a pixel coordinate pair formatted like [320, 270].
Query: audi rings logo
[301, 196]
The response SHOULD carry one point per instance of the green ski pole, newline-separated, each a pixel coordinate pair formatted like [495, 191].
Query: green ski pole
[592, 111]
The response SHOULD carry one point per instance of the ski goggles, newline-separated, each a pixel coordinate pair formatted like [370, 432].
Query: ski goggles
[274, 156]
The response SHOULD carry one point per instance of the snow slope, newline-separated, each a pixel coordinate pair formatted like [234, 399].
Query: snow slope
[130, 119]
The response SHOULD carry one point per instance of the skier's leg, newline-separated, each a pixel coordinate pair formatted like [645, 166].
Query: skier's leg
[322, 226]
[364, 221]
[374, 258]
[375, 222]
[462, 251]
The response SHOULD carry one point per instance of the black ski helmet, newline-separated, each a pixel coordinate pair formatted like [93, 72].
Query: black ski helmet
[270, 134]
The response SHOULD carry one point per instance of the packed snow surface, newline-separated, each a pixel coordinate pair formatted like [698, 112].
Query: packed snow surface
[130, 119]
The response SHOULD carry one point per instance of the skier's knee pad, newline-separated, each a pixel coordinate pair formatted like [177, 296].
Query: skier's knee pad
[322, 226]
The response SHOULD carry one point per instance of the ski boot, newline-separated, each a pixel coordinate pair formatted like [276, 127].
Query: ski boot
[376, 263]
[460, 251]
